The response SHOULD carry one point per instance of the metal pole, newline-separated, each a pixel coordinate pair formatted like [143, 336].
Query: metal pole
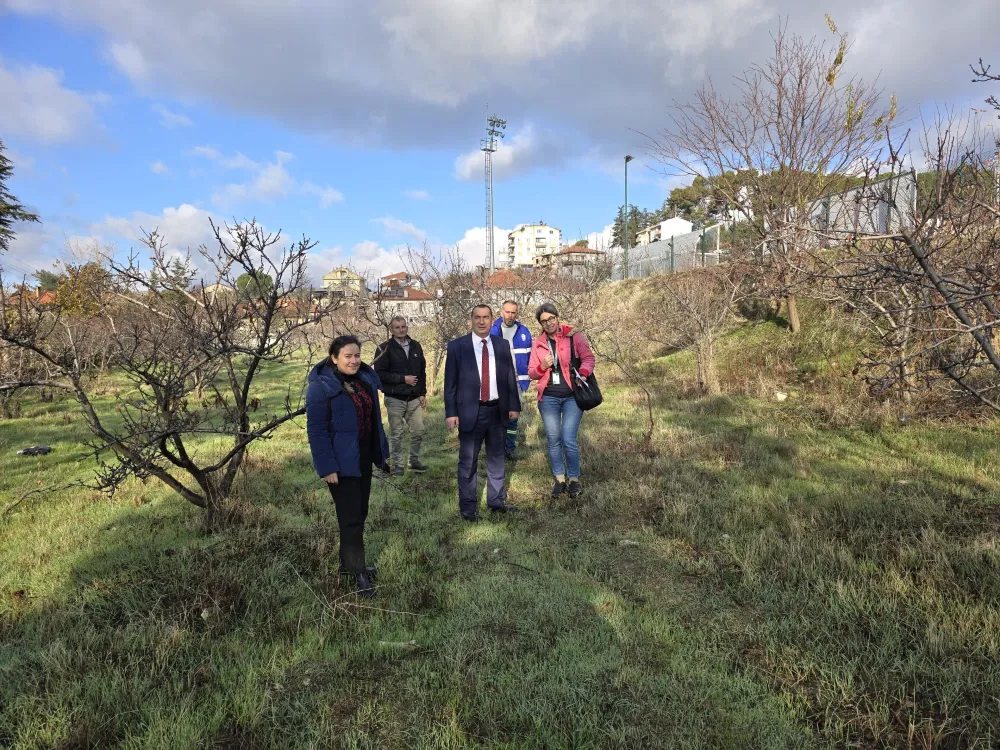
[628, 158]
[493, 251]
[625, 216]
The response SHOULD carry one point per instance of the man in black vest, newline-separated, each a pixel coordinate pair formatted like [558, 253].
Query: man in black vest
[401, 366]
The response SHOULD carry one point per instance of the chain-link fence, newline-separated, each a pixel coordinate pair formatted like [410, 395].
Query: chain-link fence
[678, 253]
[883, 206]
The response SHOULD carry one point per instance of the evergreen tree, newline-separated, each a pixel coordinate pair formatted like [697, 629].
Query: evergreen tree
[10, 210]
[254, 286]
[637, 220]
[47, 280]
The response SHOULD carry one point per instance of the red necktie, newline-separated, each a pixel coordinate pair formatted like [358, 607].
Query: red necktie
[484, 386]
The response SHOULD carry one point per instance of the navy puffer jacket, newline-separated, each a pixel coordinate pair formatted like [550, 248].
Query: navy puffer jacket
[332, 422]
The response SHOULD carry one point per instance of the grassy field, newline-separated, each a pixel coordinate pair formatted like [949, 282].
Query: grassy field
[771, 578]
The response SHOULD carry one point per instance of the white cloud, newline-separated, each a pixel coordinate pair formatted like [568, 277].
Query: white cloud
[525, 151]
[472, 246]
[158, 167]
[184, 227]
[206, 152]
[37, 107]
[417, 195]
[170, 119]
[397, 226]
[327, 195]
[271, 181]
[600, 240]
[236, 161]
[415, 75]
[129, 59]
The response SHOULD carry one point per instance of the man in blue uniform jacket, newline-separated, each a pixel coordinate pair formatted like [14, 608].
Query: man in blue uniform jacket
[518, 336]
[480, 398]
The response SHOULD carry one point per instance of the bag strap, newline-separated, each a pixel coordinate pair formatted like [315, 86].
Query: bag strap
[574, 362]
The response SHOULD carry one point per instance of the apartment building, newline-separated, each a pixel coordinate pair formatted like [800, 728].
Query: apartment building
[527, 242]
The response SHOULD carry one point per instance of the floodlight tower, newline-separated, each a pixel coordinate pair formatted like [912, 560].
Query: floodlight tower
[494, 129]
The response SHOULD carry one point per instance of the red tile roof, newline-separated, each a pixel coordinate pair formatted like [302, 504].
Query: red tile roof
[418, 294]
[503, 279]
[45, 298]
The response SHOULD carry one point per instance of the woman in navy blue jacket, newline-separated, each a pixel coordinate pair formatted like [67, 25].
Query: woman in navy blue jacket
[344, 425]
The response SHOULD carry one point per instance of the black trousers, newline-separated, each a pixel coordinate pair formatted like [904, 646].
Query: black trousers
[350, 497]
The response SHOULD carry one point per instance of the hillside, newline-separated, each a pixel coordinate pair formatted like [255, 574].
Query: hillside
[799, 573]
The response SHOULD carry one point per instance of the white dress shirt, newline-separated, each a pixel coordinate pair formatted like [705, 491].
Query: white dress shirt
[477, 345]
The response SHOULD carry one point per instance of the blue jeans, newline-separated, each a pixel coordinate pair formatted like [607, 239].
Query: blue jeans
[561, 417]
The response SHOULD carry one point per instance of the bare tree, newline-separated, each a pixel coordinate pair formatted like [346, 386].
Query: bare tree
[619, 336]
[692, 310]
[169, 334]
[983, 73]
[455, 289]
[790, 132]
[931, 283]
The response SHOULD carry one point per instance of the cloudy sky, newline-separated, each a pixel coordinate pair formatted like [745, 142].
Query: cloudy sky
[358, 123]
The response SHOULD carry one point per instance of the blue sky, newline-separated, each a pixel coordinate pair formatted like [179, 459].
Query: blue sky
[358, 125]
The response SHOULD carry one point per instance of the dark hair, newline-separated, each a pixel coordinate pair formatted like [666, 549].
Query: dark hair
[340, 342]
[510, 302]
[481, 307]
[545, 307]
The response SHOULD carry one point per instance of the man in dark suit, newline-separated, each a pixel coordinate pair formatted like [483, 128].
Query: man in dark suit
[480, 398]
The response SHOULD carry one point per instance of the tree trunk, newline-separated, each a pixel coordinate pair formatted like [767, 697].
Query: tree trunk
[904, 382]
[708, 377]
[792, 304]
[214, 498]
[435, 371]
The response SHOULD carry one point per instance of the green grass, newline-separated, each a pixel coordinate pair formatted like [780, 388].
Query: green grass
[766, 580]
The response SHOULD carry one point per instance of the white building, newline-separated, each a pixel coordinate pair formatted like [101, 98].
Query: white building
[528, 241]
[664, 230]
[416, 305]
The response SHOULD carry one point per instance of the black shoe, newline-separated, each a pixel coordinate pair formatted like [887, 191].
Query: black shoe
[398, 471]
[364, 585]
[474, 518]
[575, 488]
[371, 570]
[505, 508]
[558, 488]
[417, 466]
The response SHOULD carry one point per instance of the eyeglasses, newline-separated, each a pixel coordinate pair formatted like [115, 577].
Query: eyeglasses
[549, 319]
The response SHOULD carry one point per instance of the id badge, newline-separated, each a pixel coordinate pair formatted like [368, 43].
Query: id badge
[555, 378]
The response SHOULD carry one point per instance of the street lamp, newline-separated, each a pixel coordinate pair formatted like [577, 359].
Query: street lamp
[628, 158]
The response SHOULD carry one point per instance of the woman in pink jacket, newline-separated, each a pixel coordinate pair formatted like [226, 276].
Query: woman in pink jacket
[550, 366]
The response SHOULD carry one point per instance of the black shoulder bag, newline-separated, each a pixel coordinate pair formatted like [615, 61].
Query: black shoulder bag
[585, 390]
